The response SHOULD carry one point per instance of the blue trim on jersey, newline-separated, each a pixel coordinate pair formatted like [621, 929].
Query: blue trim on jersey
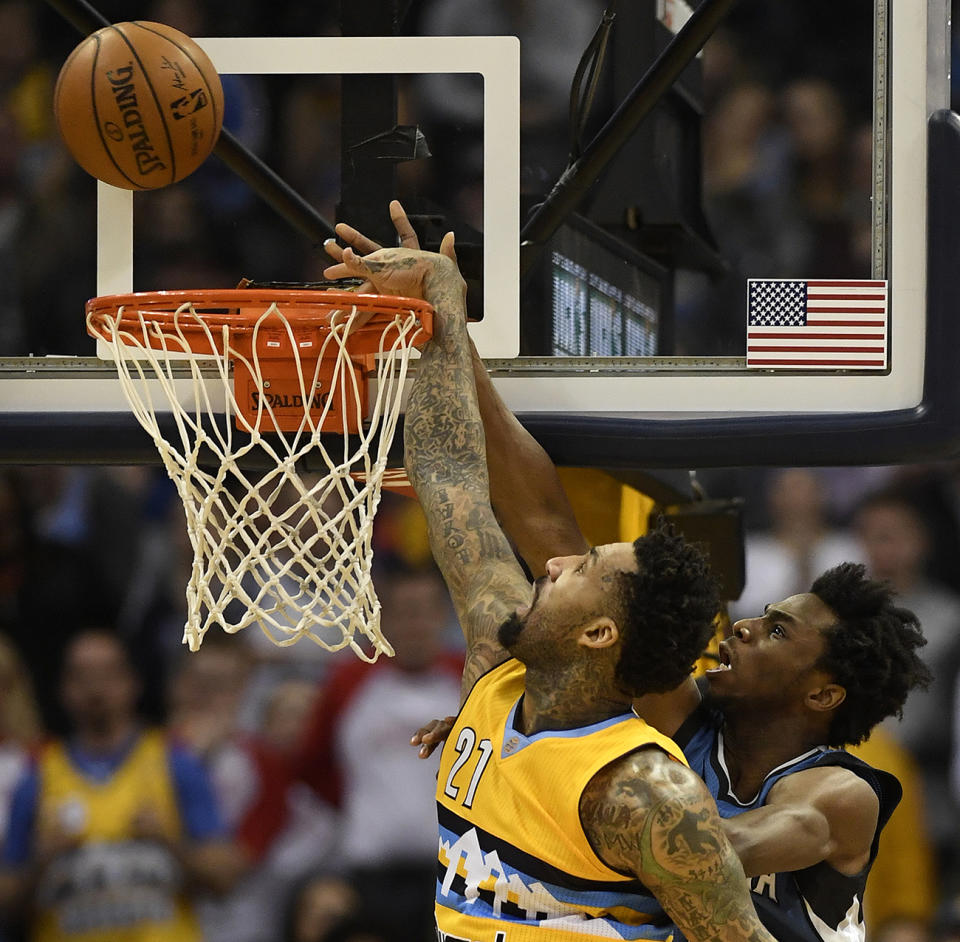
[510, 731]
[196, 800]
[96, 766]
[18, 840]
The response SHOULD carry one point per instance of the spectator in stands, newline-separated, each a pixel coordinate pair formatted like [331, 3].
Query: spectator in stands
[250, 780]
[896, 541]
[319, 906]
[20, 727]
[800, 543]
[356, 752]
[114, 828]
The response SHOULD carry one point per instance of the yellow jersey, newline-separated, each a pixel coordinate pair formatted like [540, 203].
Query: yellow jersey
[112, 886]
[514, 862]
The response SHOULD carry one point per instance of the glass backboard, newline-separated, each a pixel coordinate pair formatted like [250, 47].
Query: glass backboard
[621, 337]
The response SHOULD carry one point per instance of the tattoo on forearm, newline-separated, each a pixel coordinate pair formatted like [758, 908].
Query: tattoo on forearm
[446, 462]
[652, 819]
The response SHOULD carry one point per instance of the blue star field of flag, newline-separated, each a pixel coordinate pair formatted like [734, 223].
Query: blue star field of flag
[777, 303]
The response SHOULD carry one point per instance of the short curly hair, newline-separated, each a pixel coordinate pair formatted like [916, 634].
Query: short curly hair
[871, 651]
[668, 608]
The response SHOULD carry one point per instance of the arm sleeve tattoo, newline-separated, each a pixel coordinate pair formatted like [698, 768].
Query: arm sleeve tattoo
[446, 462]
[652, 817]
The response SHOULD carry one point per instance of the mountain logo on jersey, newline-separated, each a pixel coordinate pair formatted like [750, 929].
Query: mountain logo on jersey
[485, 874]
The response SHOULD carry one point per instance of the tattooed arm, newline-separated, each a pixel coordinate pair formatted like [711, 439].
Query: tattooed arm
[525, 488]
[651, 816]
[445, 453]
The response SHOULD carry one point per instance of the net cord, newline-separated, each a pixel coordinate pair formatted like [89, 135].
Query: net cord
[276, 550]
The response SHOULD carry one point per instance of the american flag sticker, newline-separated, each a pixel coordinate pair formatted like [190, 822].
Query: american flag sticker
[806, 325]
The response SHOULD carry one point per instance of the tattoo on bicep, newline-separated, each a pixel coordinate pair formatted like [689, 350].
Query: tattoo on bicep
[651, 822]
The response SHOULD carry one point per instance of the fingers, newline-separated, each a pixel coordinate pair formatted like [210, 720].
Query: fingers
[430, 736]
[356, 239]
[447, 248]
[417, 739]
[419, 735]
[364, 246]
[408, 238]
[333, 249]
[349, 266]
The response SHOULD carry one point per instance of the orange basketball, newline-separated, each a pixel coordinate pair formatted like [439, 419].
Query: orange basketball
[139, 105]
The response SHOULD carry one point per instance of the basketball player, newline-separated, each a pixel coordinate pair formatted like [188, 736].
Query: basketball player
[562, 814]
[114, 830]
[816, 670]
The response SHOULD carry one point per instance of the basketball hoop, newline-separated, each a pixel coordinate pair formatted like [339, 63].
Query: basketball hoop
[281, 547]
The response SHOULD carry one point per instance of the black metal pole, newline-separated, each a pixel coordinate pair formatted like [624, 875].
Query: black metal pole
[271, 188]
[582, 174]
[368, 107]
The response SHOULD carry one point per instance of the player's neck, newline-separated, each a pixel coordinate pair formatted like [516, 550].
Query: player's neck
[107, 737]
[568, 702]
[754, 748]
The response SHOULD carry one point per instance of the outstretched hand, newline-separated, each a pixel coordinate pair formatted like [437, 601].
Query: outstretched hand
[361, 245]
[431, 735]
[405, 272]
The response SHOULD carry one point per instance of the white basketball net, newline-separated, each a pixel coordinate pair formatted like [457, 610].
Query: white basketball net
[285, 550]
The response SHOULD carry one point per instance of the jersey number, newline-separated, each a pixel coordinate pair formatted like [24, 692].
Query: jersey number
[466, 742]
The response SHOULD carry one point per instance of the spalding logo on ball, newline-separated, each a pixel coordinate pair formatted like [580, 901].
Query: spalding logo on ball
[139, 105]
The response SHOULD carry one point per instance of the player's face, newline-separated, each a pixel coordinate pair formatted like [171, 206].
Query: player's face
[770, 660]
[574, 590]
[98, 683]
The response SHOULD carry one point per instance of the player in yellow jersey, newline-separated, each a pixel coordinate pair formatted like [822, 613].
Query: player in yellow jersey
[563, 816]
[113, 827]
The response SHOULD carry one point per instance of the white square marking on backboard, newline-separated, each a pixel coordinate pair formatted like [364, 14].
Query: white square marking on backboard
[496, 58]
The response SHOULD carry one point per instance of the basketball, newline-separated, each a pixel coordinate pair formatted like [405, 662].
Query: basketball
[139, 105]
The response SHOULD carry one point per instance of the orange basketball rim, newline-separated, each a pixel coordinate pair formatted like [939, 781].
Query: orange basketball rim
[284, 345]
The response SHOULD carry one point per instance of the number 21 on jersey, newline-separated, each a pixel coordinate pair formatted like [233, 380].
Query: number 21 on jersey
[468, 749]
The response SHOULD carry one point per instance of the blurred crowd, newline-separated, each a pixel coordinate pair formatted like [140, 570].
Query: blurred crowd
[283, 786]
[289, 795]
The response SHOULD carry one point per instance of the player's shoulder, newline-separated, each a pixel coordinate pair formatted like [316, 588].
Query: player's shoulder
[644, 778]
[849, 801]
[638, 796]
[838, 769]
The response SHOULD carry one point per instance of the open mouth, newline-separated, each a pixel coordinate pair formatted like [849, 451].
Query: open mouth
[724, 657]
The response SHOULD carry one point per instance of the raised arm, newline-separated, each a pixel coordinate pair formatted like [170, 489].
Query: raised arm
[446, 457]
[651, 816]
[525, 489]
